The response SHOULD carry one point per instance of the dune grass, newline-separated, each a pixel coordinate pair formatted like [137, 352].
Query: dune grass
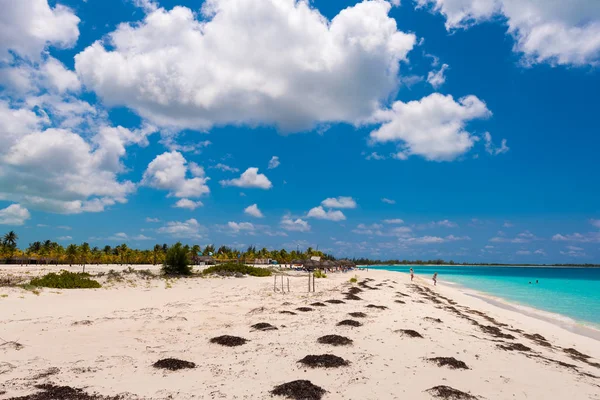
[66, 280]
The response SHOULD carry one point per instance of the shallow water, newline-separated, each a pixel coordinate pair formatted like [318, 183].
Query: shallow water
[572, 292]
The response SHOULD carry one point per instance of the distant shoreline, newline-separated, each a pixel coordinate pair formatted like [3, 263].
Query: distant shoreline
[481, 265]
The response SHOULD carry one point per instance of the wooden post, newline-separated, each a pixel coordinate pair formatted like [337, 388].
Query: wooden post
[275, 283]
[309, 282]
[288, 280]
[282, 291]
[313, 282]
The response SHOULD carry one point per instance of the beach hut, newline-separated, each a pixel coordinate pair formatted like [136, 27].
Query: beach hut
[203, 260]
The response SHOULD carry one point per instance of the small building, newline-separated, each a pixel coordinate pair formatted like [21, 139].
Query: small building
[203, 260]
[262, 261]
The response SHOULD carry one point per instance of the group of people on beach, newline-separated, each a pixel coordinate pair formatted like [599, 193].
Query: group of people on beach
[412, 276]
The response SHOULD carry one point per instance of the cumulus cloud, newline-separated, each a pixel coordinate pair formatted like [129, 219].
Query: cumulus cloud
[437, 78]
[28, 27]
[57, 170]
[189, 229]
[557, 32]
[189, 204]
[294, 224]
[373, 229]
[330, 215]
[590, 237]
[274, 162]
[523, 237]
[339, 202]
[64, 238]
[225, 168]
[375, 156]
[388, 201]
[225, 68]
[424, 240]
[433, 127]
[595, 222]
[438, 224]
[169, 171]
[393, 221]
[250, 179]
[491, 148]
[240, 226]
[15, 214]
[253, 211]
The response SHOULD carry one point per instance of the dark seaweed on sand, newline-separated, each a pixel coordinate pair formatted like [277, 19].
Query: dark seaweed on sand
[287, 312]
[335, 301]
[575, 353]
[377, 307]
[358, 314]
[514, 347]
[263, 326]
[352, 297]
[349, 322]
[229, 341]
[537, 338]
[439, 321]
[409, 332]
[324, 361]
[299, 390]
[304, 309]
[318, 304]
[52, 392]
[399, 301]
[173, 364]
[335, 340]
[354, 290]
[495, 332]
[448, 362]
[446, 392]
[402, 294]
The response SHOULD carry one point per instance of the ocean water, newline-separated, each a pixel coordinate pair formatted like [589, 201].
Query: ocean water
[571, 292]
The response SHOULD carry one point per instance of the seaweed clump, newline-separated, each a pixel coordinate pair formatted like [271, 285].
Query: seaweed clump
[229, 341]
[299, 390]
[173, 364]
[451, 362]
[335, 340]
[324, 361]
[446, 392]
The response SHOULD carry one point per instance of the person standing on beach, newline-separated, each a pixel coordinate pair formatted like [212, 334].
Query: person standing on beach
[412, 274]
[435, 279]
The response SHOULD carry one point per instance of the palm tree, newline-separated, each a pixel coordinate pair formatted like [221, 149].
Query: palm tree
[10, 243]
[84, 252]
[71, 252]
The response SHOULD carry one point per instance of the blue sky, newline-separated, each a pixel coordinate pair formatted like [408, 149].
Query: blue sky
[426, 129]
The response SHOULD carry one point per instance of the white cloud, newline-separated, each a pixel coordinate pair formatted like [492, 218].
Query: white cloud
[250, 179]
[15, 214]
[437, 78]
[64, 238]
[274, 162]
[373, 229]
[491, 148]
[189, 229]
[375, 156]
[27, 27]
[574, 248]
[572, 253]
[424, 240]
[169, 171]
[388, 201]
[146, 5]
[508, 224]
[122, 236]
[523, 237]
[295, 225]
[148, 219]
[339, 202]
[228, 69]
[330, 215]
[523, 252]
[65, 227]
[557, 32]
[595, 222]
[140, 237]
[433, 127]
[540, 252]
[590, 237]
[225, 168]
[189, 204]
[438, 224]
[57, 170]
[236, 227]
[253, 211]
[393, 221]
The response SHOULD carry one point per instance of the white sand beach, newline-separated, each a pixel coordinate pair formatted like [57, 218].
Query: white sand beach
[106, 340]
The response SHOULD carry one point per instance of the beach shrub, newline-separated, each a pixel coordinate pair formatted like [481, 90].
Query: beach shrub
[354, 279]
[231, 269]
[177, 261]
[319, 274]
[66, 280]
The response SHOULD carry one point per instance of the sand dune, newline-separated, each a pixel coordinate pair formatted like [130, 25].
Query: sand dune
[411, 342]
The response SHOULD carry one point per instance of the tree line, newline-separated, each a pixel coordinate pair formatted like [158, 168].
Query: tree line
[53, 252]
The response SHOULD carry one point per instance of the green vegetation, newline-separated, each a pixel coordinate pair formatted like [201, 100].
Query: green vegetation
[177, 261]
[232, 269]
[66, 280]
[354, 279]
[319, 274]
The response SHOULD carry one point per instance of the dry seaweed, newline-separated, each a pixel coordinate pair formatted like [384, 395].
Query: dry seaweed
[446, 392]
[349, 322]
[324, 361]
[263, 326]
[451, 362]
[299, 390]
[173, 364]
[335, 340]
[409, 332]
[229, 341]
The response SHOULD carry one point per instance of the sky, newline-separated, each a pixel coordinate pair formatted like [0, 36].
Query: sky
[465, 130]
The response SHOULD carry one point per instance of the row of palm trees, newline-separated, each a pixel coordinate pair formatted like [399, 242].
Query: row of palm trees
[52, 252]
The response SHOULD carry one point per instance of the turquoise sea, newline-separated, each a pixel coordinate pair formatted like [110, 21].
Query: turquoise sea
[571, 292]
